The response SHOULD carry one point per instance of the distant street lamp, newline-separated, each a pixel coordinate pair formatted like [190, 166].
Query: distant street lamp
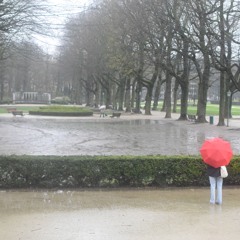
[228, 96]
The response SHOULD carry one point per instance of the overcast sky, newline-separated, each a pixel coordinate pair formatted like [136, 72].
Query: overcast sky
[66, 7]
[60, 10]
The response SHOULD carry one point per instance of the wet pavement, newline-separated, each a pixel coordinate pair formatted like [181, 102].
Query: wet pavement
[127, 135]
[177, 214]
[129, 214]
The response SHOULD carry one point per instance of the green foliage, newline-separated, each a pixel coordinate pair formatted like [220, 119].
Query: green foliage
[61, 100]
[211, 109]
[26, 109]
[6, 101]
[62, 111]
[107, 171]
[61, 108]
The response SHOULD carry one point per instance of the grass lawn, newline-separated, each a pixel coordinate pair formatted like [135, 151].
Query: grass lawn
[21, 108]
[212, 109]
[51, 108]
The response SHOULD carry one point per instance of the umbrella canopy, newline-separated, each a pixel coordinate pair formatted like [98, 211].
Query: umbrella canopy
[216, 152]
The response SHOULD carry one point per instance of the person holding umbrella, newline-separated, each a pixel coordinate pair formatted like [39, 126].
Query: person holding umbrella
[216, 153]
[216, 181]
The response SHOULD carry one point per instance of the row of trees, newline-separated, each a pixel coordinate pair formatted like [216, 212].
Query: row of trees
[24, 66]
[118, 48]
[115, 50]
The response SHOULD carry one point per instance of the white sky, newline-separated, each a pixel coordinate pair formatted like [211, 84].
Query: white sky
[59, 11]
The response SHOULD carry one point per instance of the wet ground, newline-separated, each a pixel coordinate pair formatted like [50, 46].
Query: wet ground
[133, 214]
[179, 214]
[106, 136]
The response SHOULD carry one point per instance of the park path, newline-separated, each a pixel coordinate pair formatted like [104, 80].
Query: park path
[131, 134]
[140, 214]
[128, 214]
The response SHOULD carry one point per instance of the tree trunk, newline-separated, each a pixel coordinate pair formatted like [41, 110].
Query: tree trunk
[78, 90]
[138, 97]
[139, 77]
[222, 99]
[150, 88]
[176, 85]
[202, 101]
[156, 94]
[168, 94]
[203, 89]
[133, 94]
[230, 106]
[184, 101]
[222, 74]
[114, 100]
[128, 96]
[1, 89]
[163, 109]
[108, 97]
[148, 101]
[121, 94]
[97, 95]
[1, 84]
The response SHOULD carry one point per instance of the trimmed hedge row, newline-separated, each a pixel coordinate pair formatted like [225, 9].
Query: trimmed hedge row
[62, 111]
[107, 171]
[62, 114]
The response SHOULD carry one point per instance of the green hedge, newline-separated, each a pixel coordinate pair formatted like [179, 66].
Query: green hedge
[62, 114]
[62, 111]
[107, 171]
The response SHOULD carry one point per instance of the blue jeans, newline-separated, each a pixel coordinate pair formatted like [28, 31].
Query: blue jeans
[216, 182]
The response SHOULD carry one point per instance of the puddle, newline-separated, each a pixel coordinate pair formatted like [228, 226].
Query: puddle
[119, 214]
[136, 137]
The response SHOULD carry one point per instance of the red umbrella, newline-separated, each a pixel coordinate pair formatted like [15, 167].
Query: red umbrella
[216, 152]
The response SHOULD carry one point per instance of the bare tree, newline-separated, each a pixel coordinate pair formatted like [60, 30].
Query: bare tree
[224, 50]
[19, 21]
[122, 47]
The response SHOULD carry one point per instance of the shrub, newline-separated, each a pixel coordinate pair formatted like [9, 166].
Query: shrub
[6, 101]
[61, 100]
[62, 111]
[107, 171]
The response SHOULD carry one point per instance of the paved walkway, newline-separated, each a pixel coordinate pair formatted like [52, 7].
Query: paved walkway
[150, 214]
[131, 134]
[129, 214]
[155, 115]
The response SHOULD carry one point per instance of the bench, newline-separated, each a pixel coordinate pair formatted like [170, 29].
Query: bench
[102, 113]
[134, 110]
[17, 112]
[10, 109]
[115, 114]
[192, 118]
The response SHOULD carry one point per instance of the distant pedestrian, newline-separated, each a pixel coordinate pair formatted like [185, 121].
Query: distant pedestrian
[102, 111]
[216, 182]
